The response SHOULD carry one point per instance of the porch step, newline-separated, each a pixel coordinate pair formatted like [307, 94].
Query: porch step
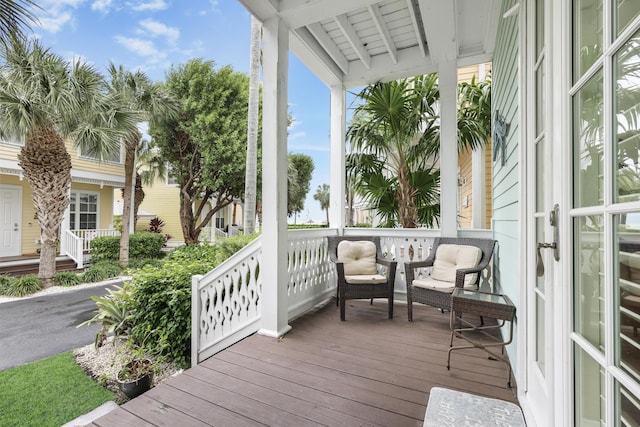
[24, 266]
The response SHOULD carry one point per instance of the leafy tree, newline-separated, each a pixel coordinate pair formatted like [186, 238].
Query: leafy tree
[301, 168]
[45, 100]
[149, 99]
[206, 144]
[322, 196]
[395, 135]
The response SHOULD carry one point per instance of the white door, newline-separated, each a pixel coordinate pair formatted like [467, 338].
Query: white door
[10, 220]
[542, 218]
[604, 371]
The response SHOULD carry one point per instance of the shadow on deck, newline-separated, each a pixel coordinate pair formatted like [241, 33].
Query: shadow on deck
[366, 371]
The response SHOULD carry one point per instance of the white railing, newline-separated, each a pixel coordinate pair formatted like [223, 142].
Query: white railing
[88, 235]
[226, 302]
[311, 274]
[211, 234]
[72, 247]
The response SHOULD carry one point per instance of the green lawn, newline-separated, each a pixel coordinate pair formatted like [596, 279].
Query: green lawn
[49, 392]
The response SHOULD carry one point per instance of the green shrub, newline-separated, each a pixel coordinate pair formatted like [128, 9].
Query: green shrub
[25, 285]
[145, 245]
[362, 225]
[141, 245]
[66, 278]
[6, 282]
[136, 264]
[109, 268]
[161, 298]
[105, 248]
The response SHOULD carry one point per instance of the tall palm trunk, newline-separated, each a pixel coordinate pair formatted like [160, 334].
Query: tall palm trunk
[139, 197]
[129, 167]
[406, 202]
[47, 168]
[252, 131]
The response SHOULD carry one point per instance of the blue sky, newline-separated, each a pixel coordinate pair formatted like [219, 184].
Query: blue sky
[154, 34]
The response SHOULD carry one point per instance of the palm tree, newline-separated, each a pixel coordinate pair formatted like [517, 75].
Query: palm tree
[250, 189]
[148, 100]
[14, 17]
[395, 134]
[322, 196]
[45, 100]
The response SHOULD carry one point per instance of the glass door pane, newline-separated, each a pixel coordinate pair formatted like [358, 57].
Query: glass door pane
[588, 291]
[588, 144]
[587, 35]
[626, 137]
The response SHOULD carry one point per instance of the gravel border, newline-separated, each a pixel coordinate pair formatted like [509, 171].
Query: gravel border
[62, 289]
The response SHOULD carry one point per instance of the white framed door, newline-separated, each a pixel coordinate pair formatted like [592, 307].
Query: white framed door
[542, 220]
[10, 220]
[604, 97]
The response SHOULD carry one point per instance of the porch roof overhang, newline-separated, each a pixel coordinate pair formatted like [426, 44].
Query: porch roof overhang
[358, 42]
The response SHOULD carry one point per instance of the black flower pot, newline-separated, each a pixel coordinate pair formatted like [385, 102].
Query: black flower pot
[134, 386]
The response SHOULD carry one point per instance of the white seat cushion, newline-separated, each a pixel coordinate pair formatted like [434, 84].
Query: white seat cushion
[450, 258]
[365, 279]
[437, 285]
[358, 257]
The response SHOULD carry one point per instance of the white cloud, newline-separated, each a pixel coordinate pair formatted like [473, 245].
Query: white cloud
[55, 22]
[155, 29]
[296, 135]
[148, 5]
[56, 14]
[213, 7]
[139, 46]
[101, 5]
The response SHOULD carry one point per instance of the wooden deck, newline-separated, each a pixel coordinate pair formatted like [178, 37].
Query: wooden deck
[367, 371]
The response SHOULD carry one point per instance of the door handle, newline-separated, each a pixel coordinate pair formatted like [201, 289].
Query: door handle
[15, 227]
[553, 219]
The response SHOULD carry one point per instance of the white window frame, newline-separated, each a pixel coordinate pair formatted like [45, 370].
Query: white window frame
[75, 226]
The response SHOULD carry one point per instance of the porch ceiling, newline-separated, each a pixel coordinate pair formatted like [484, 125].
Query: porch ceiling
[358, 42]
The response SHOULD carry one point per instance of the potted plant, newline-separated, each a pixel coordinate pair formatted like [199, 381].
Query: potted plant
[136, 375]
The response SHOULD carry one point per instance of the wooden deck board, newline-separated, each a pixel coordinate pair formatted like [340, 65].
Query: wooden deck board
[368, 370]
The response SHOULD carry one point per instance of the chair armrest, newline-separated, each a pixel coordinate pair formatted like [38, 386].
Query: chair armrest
[385, 262]
[462, 272]
[418, 264]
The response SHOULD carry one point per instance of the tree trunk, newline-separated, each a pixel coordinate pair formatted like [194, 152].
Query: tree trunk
[406, 204]
[47, 168]
[129, 161]
[187, 221]
[139, 197]
[250, 189]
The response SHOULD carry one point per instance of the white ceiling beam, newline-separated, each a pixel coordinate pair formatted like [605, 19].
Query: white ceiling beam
[439, 19]
[329, 46]
[353, 39]
[410, 63]
[493, 17]
[306, 48]
[416, 27]
[298, 13]
[376, 15]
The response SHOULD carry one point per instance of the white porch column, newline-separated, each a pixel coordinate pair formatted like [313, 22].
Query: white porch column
[478, 189]
[274, 179]
[448, 82]
[337, 158]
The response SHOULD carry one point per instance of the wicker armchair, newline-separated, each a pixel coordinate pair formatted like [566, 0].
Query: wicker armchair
[437, 292]
[356, 282]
